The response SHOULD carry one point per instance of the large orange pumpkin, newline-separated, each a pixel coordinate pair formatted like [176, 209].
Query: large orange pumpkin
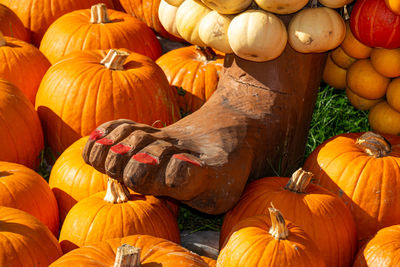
[362, 169]
[98, 28]
[11, 25]
[322, 215]
[194, 72]
[24, 189]
[25, 241]
[22, 64]
[80, 92]
[116, 213]
[21, 136]
[37, 15]
[269, 241]
[154, 251]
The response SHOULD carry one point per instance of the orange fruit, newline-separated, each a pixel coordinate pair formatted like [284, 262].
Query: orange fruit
[359, 102]
[334, 75]
[342, 59]
[386, 61]
[384, 119]
[353, 47]
[393, 94]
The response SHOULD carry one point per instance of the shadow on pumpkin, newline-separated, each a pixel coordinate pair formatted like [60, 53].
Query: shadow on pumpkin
[65, 202]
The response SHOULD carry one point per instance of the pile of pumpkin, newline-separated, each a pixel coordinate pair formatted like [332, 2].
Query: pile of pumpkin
[367, 63]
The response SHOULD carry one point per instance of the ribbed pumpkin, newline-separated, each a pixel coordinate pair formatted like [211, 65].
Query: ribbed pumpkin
[194, 72]
[227, 6]
[22, 64]
[322, 215]
[21, 136]
[154, 251]
[116, 213]
[11, 25]
[281, 7]
[147, 11]
[25, 241]
[374, 24]
[72, 180]
[98, 28]
[24, 189]
[86, 89]
[166, 15]
[362, 169]
[265, 240]
[383, 250]
[384, 118]
[37, 15]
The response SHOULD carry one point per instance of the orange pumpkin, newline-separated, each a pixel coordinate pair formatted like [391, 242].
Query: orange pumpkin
[38, 15]
[341, 58]
[22, 64]
[25, 241]
[98, 28]
[359, 102]
[386, 61]
[209, 261]
[11, 25]
[334, 75]
[393, 5]
[24, 189]
[322, 215]
[362, 169]
[384, 119]
[154, 251]
[194, 72]
[268, 241]
[116, 213]
[71, 102]
[382, 250]
[393, 94]
[21, 136]
[353, 47]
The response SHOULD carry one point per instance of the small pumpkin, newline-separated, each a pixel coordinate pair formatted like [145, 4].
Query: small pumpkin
[21, 135]
[194, 72]
[335, 3]
[384, 119]
[98, 28]
[365, 81]
[281, 6]
[386, 61]
[11, 25]
[353, 47]
[322, 215]
[257, 35]
[38, 15]
[270, 240]
[153, 251]
[393, 5]
[228, 6]
[359, 102]
[175, 2]
[22, 188]
[167, 14]
[116, 213]
[393, 94]
[22, 64]
[382, 250]
[25, 241]
[362, 169]
[341, 58]
[374, 24]
[82, 100]
[334, 75]
[315, 30]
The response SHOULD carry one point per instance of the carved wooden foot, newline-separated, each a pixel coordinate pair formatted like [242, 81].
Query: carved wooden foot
[255, 124]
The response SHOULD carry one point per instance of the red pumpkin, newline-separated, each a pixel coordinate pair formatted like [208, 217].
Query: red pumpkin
[374, 24]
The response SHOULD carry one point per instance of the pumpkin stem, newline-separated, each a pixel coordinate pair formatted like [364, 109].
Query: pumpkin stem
[2, 39]
[278, 226]
[374, 144]
[206, 52]
[299, 181]
[313, 3]
[116, 192]
[346, 15]
[115, 59]
[127, 256]
[99, 14]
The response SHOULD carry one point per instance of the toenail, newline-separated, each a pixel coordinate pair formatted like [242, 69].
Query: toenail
[96, 134]
[187, 159]
[145, 158]
[120, 149]
[105, 141]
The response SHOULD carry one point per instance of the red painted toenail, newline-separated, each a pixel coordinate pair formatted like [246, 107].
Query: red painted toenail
[96, 134]
[187, 159]
[105, 141]
[120, 149]
[145, 158]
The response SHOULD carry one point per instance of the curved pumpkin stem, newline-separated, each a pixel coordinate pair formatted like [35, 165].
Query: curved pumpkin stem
[115, 59]
[299, 181]
[278, 226]
[206, 52]
[374, 144]
[116, 192]
[99, 14]
[127, 256]
[2, 39]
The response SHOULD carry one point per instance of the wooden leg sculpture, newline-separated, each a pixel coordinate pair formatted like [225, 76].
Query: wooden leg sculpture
[254, 125]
